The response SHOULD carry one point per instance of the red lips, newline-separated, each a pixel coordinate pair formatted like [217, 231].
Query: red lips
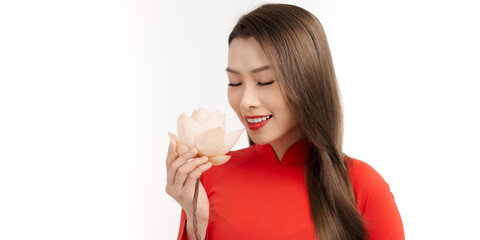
[255, 126]
[256, 116]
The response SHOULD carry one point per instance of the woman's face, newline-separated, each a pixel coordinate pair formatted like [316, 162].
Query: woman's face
[255, 96]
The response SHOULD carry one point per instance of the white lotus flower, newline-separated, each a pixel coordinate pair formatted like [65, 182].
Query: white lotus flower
[206, 132]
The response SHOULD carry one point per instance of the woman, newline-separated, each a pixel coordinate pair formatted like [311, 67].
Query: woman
[294, 181]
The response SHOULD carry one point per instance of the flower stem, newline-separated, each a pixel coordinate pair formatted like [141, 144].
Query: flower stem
[195, 198]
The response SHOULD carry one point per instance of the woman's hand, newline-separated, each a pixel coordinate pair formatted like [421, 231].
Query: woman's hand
[181, 178]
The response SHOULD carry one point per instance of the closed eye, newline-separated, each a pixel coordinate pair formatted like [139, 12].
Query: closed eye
[266, 83]
[259, 83]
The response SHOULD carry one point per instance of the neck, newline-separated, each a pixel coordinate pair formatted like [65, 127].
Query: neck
[280, 146]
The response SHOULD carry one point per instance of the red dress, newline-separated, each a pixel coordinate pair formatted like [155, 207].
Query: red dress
[255, 196]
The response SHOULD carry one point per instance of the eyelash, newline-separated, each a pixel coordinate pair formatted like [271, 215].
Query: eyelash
[259, 83]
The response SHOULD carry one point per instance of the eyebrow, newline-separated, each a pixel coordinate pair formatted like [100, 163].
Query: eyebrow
[256, 70]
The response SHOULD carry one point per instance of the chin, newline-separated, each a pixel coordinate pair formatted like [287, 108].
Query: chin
[259, 141]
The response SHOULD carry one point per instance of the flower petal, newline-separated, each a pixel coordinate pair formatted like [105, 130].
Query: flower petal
[200, 114]
[216, 119]
[174, 137]
[230, 140]
[187, 129]
[181, 148]
[219, 160]
[210, 142]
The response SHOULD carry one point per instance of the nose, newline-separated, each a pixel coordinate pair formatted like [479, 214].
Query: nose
[249, 97]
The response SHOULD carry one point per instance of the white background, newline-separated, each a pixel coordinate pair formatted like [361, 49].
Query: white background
[89, 89]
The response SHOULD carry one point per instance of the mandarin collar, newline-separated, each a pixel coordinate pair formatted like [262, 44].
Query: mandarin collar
[296, 153]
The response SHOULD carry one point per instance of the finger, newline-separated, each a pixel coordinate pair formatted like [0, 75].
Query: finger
[171, 152]
[172, 170]
[186, 169]
[192, 177]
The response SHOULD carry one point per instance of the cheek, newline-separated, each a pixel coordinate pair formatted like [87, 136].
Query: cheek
[233, 99]
[292, 121]
[277, 103]
[274, 101]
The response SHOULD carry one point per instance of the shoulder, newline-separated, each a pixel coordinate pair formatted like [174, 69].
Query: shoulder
[375, 201]
[364, 176]
[368, 185]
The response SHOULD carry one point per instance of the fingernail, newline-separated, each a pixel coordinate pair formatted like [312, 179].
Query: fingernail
[194, 150]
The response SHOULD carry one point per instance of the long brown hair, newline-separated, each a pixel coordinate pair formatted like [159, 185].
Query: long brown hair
[296, 47]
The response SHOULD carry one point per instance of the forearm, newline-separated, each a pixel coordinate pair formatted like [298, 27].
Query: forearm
[201, 226]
